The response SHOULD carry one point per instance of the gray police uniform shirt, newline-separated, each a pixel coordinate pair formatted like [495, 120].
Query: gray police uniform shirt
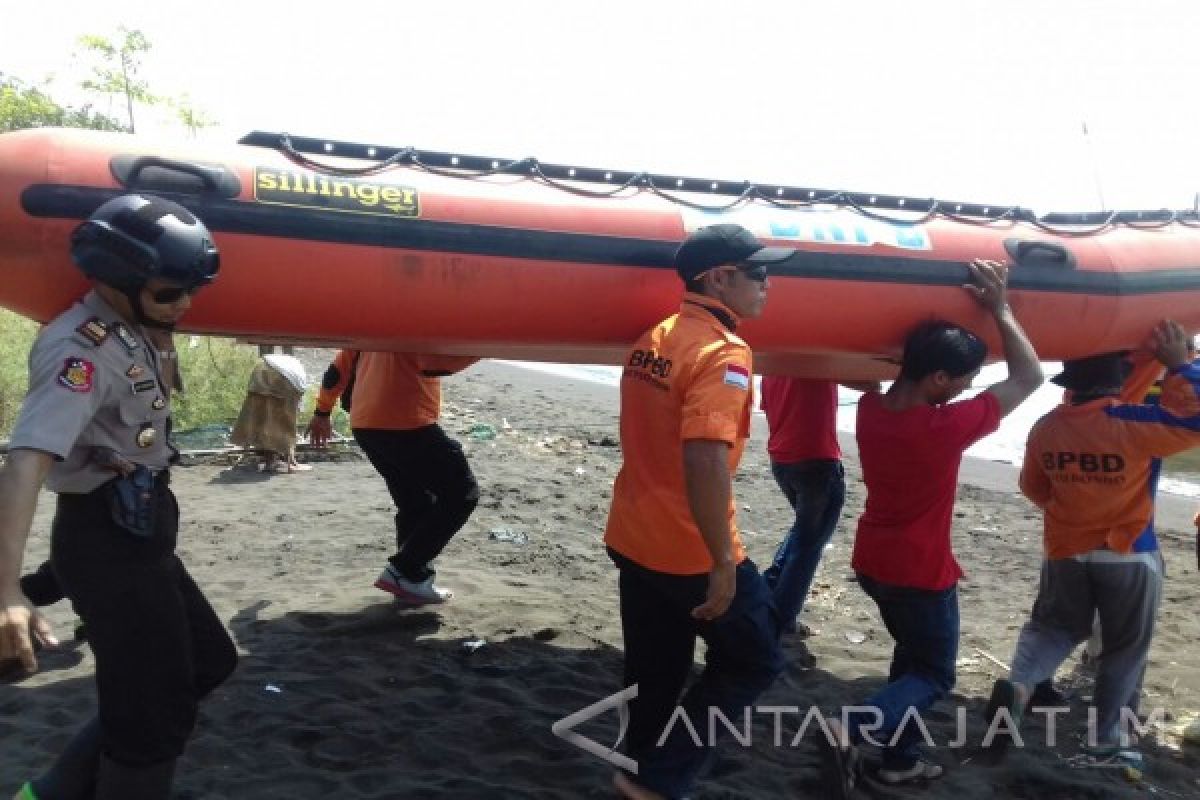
[93, 383]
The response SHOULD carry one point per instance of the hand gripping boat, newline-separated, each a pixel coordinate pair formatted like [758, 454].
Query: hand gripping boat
[349, 245]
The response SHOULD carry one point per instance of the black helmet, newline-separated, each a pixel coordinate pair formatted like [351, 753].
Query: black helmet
[133, 238]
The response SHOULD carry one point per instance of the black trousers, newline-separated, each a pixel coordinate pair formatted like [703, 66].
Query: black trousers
[743, 658]
[158, 645]
[431, 484]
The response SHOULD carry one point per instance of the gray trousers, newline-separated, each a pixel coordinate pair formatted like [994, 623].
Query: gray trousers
[1125, 591]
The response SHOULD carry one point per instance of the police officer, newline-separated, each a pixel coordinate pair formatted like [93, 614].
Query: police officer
[97, 383]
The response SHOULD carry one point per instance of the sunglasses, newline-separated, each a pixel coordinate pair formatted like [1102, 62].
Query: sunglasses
[756, 272]
[753, 272]
[172, 294]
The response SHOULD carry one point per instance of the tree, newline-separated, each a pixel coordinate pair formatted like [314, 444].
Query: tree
[118, 71]
[24, 106]
[192, 118]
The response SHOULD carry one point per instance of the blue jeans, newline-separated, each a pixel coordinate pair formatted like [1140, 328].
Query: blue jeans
[816, 490]
[744, 657]
[924, 624]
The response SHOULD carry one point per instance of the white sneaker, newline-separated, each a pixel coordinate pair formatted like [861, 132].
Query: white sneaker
[411, 593]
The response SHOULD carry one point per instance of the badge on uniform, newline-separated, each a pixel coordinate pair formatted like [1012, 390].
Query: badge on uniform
[738, 376]
[159, 404]
[126, 336]
[135, 371]
[76, 374]
[147, 435]
[145, 386]
[94, 330]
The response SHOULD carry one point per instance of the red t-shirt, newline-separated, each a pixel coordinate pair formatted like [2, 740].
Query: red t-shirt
[802, 417]
[910, 462]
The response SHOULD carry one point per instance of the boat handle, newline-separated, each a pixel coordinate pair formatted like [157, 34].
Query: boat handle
[1029, 251]
[217, 179]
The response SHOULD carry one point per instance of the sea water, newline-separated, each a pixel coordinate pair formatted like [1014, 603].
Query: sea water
[1181, 475]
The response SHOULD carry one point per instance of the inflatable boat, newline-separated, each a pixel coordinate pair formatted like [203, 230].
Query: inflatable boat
[350, 245]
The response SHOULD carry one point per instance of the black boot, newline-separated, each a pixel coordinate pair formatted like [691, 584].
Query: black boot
[120, 782]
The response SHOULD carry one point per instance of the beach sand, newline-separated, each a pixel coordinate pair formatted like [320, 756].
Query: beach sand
[341, 694]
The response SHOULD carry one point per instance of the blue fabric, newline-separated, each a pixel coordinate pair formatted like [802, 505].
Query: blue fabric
[816, 490]
[925, 625]
[1147, 542]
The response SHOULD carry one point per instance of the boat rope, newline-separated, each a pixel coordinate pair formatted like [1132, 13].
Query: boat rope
[672, 188]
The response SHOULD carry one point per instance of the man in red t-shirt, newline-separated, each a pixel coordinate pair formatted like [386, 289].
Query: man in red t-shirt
[911, 442]
[806, 461]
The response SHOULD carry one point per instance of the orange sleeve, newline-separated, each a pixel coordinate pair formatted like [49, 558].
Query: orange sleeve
[717, 396]
[432, 366]
[337, 375]
[1146, 370]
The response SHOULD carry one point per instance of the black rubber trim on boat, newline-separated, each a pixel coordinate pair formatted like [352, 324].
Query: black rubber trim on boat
[288, 222]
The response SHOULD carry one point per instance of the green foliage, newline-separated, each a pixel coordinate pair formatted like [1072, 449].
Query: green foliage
[189, 115]
[16, 335]
[339, 418]
[215, 374]
[24, 106]
[119, 64]
[115, 71]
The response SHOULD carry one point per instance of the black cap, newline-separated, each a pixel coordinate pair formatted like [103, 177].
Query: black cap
[715, 245]
[1105, 371]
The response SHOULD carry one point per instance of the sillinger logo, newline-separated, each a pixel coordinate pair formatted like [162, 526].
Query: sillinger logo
[564, 728]
[312, 190]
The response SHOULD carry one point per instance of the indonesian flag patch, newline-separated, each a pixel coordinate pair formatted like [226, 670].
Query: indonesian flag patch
[76, 374]
[737, 376]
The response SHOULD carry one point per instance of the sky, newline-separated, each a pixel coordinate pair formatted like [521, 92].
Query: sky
[975, 101]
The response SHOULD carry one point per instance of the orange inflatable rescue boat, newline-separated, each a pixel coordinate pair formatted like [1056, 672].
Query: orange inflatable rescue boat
[349, 245]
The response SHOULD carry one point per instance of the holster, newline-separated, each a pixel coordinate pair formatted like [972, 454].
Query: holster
[132, 499]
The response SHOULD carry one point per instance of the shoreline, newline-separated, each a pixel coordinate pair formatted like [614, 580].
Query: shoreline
[1174, 513]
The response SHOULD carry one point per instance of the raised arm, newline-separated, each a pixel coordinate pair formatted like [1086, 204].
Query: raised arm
[990, 290]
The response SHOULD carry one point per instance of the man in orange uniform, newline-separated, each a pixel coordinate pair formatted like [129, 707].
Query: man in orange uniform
[1090, 465]
[394, 418]
[686, 397]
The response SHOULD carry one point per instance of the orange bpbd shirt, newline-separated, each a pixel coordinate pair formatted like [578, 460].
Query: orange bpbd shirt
[689, 377]
[1091, 467]
[392, 391]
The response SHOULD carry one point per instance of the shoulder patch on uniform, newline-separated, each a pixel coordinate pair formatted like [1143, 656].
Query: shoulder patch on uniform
[737, 375]
[94, 330]
[77, 374]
